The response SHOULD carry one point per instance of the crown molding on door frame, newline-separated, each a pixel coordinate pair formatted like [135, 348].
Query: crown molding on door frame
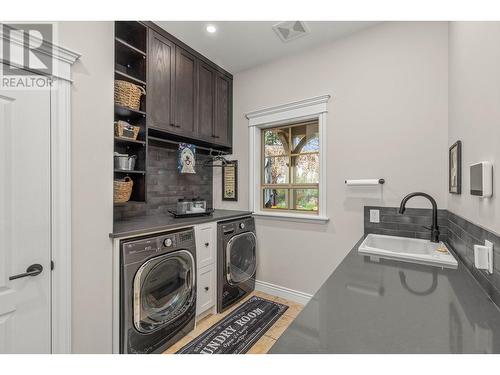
[62, 58]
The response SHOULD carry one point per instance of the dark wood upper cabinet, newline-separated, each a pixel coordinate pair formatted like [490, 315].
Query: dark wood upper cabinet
[214, 106]
[223, 105]
[188, 95]
[206, 101]
[185, 92]
[160, 81]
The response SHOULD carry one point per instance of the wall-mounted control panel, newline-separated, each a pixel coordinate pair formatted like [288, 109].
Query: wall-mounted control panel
[481, 179]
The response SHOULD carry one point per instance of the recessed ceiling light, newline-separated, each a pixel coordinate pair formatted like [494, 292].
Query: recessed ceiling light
[211, 29]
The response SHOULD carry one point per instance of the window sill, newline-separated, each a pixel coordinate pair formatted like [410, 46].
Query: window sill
[301, 218]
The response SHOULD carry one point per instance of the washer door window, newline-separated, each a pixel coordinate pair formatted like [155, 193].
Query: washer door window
[163, 290]
[240, 258]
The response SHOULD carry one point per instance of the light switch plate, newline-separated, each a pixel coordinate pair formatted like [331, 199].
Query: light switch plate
[374, 216]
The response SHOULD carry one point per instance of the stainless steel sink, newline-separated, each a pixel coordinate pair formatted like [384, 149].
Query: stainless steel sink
[410, 250]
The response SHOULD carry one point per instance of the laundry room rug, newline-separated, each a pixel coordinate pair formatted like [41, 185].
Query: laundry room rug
[237, 332]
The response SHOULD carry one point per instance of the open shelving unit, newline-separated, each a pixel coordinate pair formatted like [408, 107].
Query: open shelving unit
[131, 66]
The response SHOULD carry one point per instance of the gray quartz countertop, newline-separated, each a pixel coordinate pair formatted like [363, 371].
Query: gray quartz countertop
[153, 223]
[395, 307]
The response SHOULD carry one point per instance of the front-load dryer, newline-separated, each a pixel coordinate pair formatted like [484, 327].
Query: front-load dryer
[157, 291]
[236, 260]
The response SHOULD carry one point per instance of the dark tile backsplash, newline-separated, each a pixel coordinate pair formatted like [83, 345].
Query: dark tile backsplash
[165, 185]
[462, 237]
[456, 231]
[411, 224]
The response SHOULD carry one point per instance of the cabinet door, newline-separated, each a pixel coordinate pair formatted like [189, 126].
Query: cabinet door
[205, 290]
[184, 93]
[160, 82]
[223, 104]
[206, 101]
[205, 244]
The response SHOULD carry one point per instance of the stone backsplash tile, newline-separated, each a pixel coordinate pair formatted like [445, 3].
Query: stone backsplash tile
[464, 235]
[458, 232]
[411, 224]
[165, 185]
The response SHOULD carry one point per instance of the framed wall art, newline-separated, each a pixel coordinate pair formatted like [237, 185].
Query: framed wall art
[455, 168]
[186, 161]
[230, 181]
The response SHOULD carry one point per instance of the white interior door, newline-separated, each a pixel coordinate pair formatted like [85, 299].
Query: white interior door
[25, 221]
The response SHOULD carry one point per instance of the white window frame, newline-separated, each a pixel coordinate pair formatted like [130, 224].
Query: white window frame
[303, 110]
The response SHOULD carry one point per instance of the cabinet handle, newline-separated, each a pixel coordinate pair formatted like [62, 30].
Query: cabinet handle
[177, 126]
[172, 125]
[207, 244]
[207, 288]
[215, 136]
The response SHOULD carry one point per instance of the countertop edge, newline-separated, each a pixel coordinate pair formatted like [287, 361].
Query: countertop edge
[175, 225]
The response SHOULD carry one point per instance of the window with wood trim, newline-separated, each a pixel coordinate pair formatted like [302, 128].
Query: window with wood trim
[290, 168]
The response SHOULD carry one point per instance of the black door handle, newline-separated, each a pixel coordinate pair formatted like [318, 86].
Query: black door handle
[33, 270]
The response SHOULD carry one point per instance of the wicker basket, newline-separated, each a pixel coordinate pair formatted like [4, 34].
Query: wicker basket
[122, 190]
[128, 95]
[125, 130]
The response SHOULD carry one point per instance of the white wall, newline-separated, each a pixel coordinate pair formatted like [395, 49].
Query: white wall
[474, 112]
[387, 118]
[92, 183]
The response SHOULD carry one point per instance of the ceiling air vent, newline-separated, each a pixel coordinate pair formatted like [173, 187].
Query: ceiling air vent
[290, 30]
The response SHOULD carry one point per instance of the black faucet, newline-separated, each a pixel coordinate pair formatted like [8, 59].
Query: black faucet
[434, 227]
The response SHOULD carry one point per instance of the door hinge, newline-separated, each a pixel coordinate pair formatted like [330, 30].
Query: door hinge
[51, 265]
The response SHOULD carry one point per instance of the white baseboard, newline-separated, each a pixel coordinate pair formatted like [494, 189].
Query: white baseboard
[280, 291]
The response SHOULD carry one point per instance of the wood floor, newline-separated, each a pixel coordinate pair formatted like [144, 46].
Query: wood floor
[265, 342]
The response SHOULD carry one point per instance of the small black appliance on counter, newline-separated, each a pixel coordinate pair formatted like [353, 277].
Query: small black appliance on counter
[191, 208]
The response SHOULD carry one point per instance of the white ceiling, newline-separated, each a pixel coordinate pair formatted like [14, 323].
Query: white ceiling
[240, 45]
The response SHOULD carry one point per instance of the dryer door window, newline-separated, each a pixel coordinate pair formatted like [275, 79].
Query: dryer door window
[163, 290]
[240, 258]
